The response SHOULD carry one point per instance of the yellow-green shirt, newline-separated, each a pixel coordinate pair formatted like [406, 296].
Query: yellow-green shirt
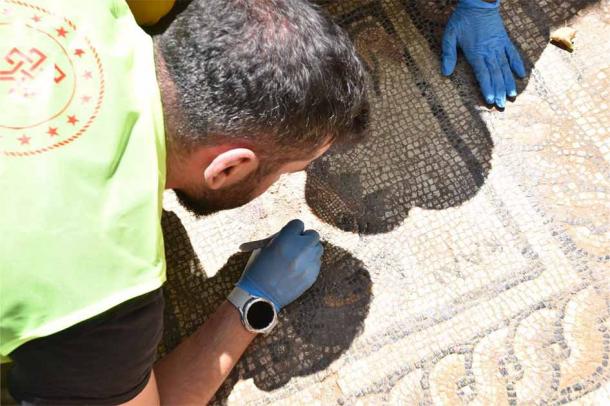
[82, 164]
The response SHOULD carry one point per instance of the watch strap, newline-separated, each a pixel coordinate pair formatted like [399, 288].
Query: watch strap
[239, 297]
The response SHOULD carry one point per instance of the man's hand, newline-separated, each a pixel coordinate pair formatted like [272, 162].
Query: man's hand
[286, 267]
[477, 28]
[280, 272]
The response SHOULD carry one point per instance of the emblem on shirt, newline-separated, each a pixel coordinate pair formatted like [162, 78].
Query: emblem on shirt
[51, 80]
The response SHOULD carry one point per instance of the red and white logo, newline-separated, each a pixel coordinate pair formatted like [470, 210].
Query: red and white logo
[51, 80]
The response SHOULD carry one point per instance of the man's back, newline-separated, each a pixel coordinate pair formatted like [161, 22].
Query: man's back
[83, 165]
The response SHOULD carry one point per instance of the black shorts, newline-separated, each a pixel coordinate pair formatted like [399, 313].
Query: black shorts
[104, 360]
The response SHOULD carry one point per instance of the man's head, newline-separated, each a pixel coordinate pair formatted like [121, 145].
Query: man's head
[253, 89]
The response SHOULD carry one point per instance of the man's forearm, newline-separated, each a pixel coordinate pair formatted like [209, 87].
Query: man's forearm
[193, 372]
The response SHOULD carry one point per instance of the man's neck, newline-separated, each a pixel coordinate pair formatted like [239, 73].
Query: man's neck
[168, 100]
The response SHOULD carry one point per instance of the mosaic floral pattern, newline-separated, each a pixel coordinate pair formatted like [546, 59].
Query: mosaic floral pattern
[468, 249]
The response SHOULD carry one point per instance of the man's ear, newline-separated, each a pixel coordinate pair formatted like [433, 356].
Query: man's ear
[230, 167]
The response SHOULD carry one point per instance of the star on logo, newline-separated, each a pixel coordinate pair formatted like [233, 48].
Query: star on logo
[36, 18]
[88, 75]
[72, 119]
[52, 131]
[24, 139]
[61, 32]
[86, 99]
[79, 52]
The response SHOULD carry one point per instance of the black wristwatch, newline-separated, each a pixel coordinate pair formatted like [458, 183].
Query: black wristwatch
[258, 314]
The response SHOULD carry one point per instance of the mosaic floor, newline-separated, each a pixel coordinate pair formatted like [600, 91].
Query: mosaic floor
[468, 250]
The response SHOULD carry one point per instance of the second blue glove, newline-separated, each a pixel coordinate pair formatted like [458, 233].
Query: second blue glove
[477, 28]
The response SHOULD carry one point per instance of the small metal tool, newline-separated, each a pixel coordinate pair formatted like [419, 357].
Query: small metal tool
[255, 245]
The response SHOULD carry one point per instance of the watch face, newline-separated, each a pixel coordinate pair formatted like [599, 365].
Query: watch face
[260, 315]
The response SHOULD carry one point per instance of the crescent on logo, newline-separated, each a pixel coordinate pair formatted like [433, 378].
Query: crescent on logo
[51, 80]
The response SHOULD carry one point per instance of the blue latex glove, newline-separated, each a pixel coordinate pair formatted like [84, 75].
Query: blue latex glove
[477, 28]
[286, 267]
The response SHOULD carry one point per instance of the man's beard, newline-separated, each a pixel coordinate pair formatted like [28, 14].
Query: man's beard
[205, 202]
